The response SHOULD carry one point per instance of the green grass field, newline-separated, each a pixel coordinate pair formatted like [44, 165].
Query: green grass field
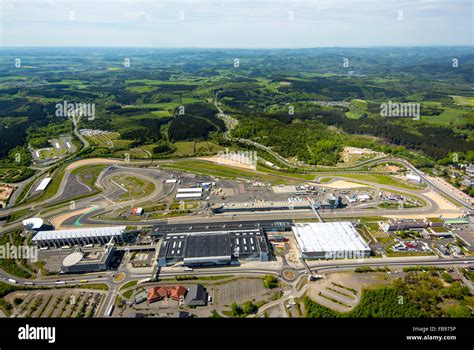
[165, 113]
[136, 153]
[206, 168]
[18, 215]
[447, 117]
[88, 174]
[47, 153]
[361, 104]
[57, 177]
[106, 139]
[358, 108]
[191, 149]
[353, 114]
[135, 186]
[463, 101]
[380, 179]
[307, 177]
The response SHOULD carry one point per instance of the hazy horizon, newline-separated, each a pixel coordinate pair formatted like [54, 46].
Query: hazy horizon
[236, 24]
[237, 48]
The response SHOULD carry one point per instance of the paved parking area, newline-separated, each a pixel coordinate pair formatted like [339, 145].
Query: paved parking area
[79, 303]
[240, 290]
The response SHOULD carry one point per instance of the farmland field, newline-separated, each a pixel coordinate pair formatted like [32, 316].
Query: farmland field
[106, 139]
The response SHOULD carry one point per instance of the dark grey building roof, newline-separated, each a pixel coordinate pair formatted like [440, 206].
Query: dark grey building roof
[218, 244]
[173, 246]
[248, 242]
[207, 245]
[196, 296]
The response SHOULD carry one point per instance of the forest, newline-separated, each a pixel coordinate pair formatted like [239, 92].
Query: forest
[419, 295]
[167, 96]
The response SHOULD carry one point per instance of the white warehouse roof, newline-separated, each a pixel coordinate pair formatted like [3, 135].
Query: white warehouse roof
[329, 237]
[43, 184]
[188, 195]
[190, 190]
[80, 233]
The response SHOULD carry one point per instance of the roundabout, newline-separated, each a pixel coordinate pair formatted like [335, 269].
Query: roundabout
[119, 277]
[289, 274]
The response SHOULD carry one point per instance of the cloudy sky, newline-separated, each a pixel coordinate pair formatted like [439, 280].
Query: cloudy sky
[236, 23]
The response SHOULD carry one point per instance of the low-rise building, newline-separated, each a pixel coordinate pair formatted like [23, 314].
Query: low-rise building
[402, 224]
[413, 177]
[43, 184]
[158, 293]
[439, 232]
[364, 197]
[456, 221]
[196, 295]
[88, 260]
[136, 211]
[434, 222]
[140, 297]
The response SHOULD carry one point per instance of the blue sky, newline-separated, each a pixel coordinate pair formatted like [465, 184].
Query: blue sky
[236, 23]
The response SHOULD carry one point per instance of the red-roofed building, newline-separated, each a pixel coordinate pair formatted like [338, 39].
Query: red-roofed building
[156, 294]
[177, 292]
[161, 292]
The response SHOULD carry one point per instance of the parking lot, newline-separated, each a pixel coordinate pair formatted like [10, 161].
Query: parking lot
[56, 303]
[60, 147]
[239, 291]
[222, 292]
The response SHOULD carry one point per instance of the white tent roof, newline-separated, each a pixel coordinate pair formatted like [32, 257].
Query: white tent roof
[33, 223]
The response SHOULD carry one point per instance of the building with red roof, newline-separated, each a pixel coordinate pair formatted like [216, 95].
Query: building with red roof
[177, 292]
[161, 292]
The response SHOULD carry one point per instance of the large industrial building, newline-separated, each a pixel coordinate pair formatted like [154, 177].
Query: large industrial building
[216, 245]
[331, 240]
[59, 238]
[88, 260]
